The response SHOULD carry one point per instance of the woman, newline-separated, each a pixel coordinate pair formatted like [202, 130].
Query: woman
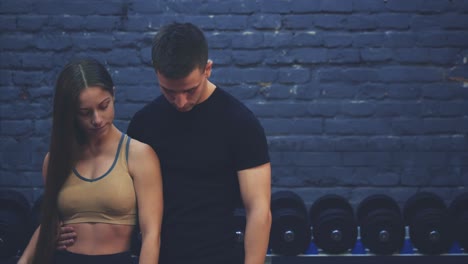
[97, 180]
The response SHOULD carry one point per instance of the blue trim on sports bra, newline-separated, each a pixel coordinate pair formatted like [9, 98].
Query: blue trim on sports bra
[126, 150]
[111, 168]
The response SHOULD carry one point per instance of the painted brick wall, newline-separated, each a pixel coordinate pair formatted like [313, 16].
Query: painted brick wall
[356, 96]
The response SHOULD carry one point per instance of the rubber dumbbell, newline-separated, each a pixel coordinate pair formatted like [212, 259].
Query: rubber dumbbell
[429, 223]
[381, 224]
[334, 227]
[14, 223]
[239, 222]
[290, 231]
[459, 213]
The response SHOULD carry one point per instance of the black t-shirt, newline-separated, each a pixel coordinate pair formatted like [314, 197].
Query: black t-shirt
[200, 153]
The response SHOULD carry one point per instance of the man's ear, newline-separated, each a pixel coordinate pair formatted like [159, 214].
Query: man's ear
[208, 67]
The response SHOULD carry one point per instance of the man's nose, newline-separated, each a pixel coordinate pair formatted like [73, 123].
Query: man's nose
[180, 100]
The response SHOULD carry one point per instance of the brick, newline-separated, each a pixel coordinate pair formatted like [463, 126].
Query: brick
[323, 109]
[368, 6]
[306, 126]
[445, 125]
[217, 40]
[296, 75]
[397, 21]
[370, 92]
[407, 126]
[254, 75]
[297, 21]
[358, 109]
[277, 39]
[131, 40]
[247, 40]
[356, 126]
[384, 143]
[373, 177]
[424, 176]
[442, 21]
[41, 92]
[305, 6]
[343, 55]
[350, 144]
[102, 23]
[276, 126]
[147, 7]
[64, 22]
[400, 39]
[9, 93]
[54, 42]
[16, 42]
[337, 91]
[440, 91]
[398, 109]
[366, 158]
[336, 6]
[375, 54]
[404, 6]
[352, 22]
[309, 55]
[442, 39]
[275, 91]
[275, 6]
[219, 57]
[24, 110]
[126, 110]
[122, 125]
[242, 92]
[444, 109]
[37, 61]
[16, 7]
[306, 92]
[349, 75]
[7, 23]
[283, 57]
[403, 91]
[266, 21]
[409, 74]
[317, 143]
[230, 22]
[267, 110]
[30, 78]
[229, 7]
[369, 40]
[15, 128]
[43, 127]
[141, 75]
[123, 57]
[247, 57]
[137, 94]
[81, 8]
[9, 60]
[337, 40]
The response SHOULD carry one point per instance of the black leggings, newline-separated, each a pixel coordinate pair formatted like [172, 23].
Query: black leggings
[66, 257]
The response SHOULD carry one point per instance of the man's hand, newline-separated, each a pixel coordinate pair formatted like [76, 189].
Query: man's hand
[66, 237]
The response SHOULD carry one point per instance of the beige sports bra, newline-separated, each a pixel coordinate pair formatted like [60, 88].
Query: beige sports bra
[109, 198]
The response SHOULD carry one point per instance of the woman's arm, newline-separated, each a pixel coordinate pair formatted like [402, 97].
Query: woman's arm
[28, 253]
[144, 167]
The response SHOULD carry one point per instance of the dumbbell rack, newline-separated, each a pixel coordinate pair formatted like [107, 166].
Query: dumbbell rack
[359, 255]
[368, 259]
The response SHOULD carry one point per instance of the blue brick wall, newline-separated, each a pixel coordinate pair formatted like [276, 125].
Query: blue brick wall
[357, 97]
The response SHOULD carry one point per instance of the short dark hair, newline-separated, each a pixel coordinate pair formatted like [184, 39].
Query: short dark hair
[178, 49]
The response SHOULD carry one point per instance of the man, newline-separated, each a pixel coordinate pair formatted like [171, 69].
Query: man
[213, 155]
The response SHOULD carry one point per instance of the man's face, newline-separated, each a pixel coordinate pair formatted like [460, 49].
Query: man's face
[186, 92]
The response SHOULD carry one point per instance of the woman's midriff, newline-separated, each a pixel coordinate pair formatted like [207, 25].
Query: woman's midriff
[100, 238]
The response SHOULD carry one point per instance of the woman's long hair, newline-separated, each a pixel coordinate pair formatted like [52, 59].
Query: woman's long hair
[65, 140]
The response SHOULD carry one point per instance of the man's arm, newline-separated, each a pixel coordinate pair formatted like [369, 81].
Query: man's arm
[255, 187]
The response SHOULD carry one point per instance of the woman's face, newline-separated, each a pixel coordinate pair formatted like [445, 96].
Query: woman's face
[95, 111]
